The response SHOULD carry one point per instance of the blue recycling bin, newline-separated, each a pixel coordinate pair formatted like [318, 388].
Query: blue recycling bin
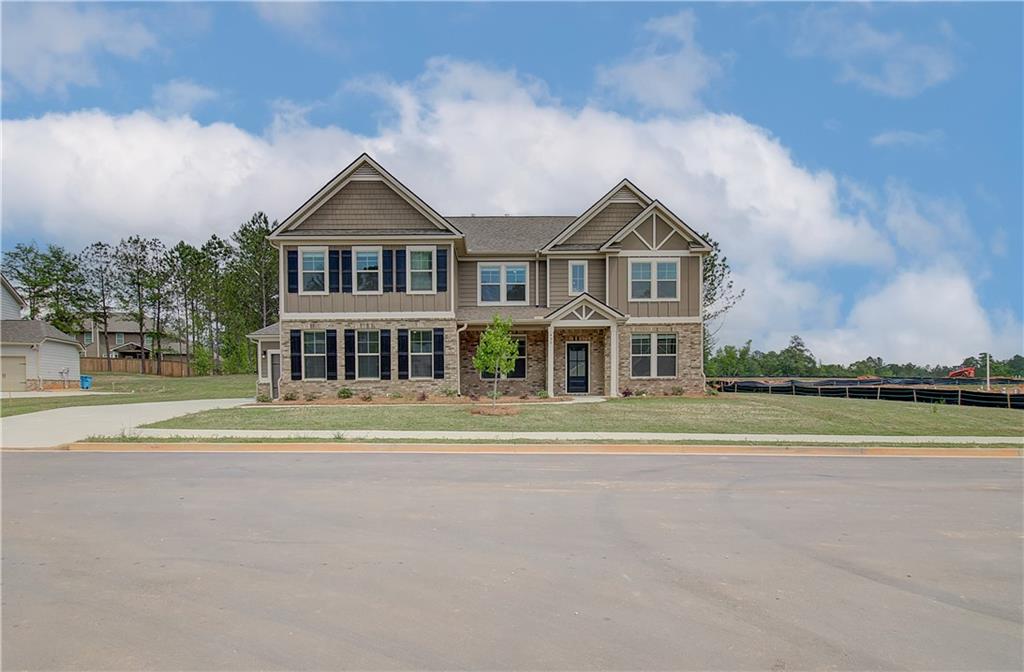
[85, 382]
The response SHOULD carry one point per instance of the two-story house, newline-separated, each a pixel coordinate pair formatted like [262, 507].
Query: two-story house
[126, 341]
[380, 293]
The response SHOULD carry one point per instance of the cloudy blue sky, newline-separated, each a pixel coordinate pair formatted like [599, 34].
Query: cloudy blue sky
[861, 164]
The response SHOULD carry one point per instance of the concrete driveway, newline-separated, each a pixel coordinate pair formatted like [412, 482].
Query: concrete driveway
[58, 426]
[584, 562]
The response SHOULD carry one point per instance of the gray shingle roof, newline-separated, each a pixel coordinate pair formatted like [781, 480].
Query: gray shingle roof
[508, 233]
[366, 232]
[269, 330]
[31, 331]
[483, 314]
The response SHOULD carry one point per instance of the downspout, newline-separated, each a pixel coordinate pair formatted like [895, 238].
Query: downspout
[458, 357]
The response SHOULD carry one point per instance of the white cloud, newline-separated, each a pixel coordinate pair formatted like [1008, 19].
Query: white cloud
[904, 138]
[293, 16]
[927, 226]
[181, 96]
[49, 47]
[469, 139]
[884, 62]
[928, 316]
[670, 73]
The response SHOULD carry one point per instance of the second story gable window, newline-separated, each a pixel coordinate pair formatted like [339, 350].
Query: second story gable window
[653, 280]
[503, 283]
[314, 270]
[577, 277]
[367, 270]
[421, 270]
[119, 338]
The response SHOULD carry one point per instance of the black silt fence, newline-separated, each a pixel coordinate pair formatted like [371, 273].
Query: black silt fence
[957, 397]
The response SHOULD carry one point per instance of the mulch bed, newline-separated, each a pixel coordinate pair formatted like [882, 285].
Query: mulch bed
[412, 400]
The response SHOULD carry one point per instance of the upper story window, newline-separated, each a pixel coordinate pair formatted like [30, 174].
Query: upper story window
[367, 270]
[88, 338]
[314, 355]
[422, 268]
[653, 280]
[148, 340]
[119, 338]
[577, 277]
[313, 270]
[503, 283]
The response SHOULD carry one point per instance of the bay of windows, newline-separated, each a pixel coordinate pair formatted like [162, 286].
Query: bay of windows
[368, 354]
[651, 280]
[314, 355]
[503, 283]
[314, 271]
[653, 356]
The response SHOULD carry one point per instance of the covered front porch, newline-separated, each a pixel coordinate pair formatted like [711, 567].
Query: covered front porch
[570, 351]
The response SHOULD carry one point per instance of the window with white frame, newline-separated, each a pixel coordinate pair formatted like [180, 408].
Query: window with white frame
[503, 283]
[314, 355]
[367, 270]
[577, 277]
[653, 356]
[119, 338]
[519, 372]
[148, 340]
[653, 280]
[314, 270]
[421, 270]
[88, 338]
[368, 354]
[421, 353]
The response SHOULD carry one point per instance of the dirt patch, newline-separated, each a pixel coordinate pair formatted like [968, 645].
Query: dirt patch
[494, 410]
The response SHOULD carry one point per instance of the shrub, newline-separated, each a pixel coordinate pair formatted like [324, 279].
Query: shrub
[344, 393]
[394, 395]
[422, 396]
[542, 394]
[291, 395]
[678, 391]
[263, 398]
[494, 395]
[366, 396]
[312, 395]
[449, 391]
[627, 392]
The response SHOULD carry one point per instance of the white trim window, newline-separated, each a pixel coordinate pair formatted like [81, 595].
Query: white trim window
[312, 270]
[503, 284]
[519, 372]
[88, 338]
[648, 363]
[653, 279]
[421, 353]
[119, 338]
[314, 355]
[367, 270]
[368, 355]
[577, 277]
[422, 269]
[147, 340]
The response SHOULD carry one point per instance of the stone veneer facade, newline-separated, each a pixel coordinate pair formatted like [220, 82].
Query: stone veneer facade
[689, 360]
[536, 371]
[329, 388]
[599, 372]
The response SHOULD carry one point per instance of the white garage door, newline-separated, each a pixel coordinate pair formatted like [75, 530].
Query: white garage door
[13, 370]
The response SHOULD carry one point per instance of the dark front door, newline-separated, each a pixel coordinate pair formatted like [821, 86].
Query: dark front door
[275, 373]
[577, 368]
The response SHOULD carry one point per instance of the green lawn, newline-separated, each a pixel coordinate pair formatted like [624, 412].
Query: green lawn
[140, 388]
[725, 413]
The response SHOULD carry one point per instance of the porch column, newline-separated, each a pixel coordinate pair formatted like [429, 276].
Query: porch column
[613, 360]
[551, 360]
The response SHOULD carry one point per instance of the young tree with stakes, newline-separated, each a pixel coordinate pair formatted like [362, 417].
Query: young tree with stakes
[496, 353]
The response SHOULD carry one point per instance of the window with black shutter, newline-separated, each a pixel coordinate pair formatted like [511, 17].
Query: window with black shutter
[293, 271]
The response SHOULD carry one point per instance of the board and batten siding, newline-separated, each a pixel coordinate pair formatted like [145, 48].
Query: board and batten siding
[688, 304]
[467, 279]
[366, 205]
[389, 302]
[560, 280]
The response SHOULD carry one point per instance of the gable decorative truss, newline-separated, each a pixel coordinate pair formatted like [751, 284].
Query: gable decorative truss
[585, 308]
[660, 213]
[623, 192]
[364, 169]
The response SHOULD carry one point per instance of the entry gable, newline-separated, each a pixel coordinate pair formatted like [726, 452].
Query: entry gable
[657, 228]
[584, 308]
[361, 197]
[608, 214]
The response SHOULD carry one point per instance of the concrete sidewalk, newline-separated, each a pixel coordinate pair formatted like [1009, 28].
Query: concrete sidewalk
[59, 426]
[623, 437]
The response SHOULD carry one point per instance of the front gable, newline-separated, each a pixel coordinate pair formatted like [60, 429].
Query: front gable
[584, 308]
[657, 228]
[603, 219]
[364, 199]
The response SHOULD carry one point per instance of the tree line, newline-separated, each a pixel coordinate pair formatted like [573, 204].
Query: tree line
[207, 297]
[797, 360]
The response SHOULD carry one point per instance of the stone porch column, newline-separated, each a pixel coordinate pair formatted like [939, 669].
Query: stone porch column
[551, 360]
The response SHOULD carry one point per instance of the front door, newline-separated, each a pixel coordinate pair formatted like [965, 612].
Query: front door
[275, 373]
[577, 368]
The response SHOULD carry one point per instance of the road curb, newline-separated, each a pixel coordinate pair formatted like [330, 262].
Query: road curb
[537, 448]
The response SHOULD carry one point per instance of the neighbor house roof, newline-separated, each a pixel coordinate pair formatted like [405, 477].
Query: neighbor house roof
[31, 332]
[513, 234]
[273, 330]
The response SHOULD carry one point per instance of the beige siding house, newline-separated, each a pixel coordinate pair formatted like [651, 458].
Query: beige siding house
[126, 341]
[381, 293]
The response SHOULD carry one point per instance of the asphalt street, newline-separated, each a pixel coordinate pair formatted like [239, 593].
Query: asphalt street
[362, 561]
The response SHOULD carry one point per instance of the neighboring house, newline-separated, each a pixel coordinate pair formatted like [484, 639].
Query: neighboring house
[34, 355]
[380, 293]
[11, 303]
[125, 340]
